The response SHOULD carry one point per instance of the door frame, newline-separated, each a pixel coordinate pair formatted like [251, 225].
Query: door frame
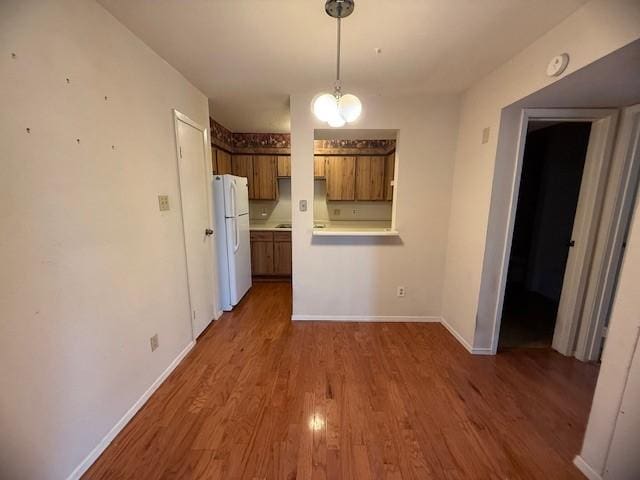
[180, 117]
[622, 189]
[601, 140]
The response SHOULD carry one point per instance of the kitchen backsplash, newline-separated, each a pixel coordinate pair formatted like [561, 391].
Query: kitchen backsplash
[278, 211]
[335, 211]
[323, 211]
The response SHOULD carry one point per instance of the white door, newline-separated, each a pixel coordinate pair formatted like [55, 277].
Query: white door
[585, 227]
[196, 218]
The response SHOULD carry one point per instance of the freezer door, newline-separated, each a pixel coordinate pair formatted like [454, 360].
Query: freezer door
[236, 196]
[239, 257]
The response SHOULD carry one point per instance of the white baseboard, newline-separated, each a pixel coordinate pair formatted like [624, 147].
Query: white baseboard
[586, 469]
[104, 443]
[465, 344]
[363, 318]
[368, 318]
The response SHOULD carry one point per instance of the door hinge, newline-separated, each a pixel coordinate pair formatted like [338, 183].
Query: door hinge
[180, 148]
[194, 314]
[604, 332]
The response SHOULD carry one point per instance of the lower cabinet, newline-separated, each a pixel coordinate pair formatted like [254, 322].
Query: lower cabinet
[261, 253]
[270, 253]
[282, 253]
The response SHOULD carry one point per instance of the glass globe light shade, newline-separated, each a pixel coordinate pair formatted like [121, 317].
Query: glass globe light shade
[336, 120]
[325, 106]
[349, 107]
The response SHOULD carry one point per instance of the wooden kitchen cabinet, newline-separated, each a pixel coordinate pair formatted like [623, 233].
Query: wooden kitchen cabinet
[282, 253]
[340, 173]
[270, 253]
[284, 166]
[221, 161]
[261, 253]
[318, 166]
[242, 166]
[370, 178]
[389, 175]
[265, 177]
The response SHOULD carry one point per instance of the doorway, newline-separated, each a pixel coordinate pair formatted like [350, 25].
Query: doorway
[550, 183]
[193, 167]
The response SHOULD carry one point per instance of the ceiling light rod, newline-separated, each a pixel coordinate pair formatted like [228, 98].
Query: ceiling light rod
[337, 109]
[338, 61]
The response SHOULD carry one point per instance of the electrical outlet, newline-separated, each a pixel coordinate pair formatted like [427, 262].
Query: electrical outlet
[401, 291]
[303, 205]
[155, 343]
[163, 202]
[336, 212]
[355, 212]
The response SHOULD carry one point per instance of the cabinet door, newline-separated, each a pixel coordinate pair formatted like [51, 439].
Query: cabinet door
[370, 178]
[223, 160]
[284, 166]
[214, 160]
[389, 172]
[265, 177]
[318, 166]
[262, 258]
[282, 258]
[242, 166]
[341, 178]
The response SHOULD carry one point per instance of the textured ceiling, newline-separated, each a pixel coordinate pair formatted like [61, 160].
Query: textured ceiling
[247, 56]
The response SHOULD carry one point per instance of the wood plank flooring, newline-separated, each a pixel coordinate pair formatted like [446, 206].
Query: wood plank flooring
[262, 398]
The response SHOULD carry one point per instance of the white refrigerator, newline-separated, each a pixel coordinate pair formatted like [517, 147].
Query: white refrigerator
[231, 201]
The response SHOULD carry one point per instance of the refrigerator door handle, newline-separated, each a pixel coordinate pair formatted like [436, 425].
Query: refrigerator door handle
[232, 194]
[236, 244]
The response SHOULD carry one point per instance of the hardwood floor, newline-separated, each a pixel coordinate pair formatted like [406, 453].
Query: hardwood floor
[260, 397]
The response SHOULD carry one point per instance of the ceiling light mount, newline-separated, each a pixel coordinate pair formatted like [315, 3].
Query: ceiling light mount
[337, 109]
[339, 8]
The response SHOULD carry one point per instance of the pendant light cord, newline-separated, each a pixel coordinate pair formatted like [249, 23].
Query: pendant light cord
[338, 59]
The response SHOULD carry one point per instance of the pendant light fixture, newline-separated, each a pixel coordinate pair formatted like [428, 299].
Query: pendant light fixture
[337, 108]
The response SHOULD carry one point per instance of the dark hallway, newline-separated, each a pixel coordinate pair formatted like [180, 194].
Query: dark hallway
[552, 170]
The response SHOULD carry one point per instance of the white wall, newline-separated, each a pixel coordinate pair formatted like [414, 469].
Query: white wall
[612, 438]
[615, 373]
[343, 277]
[596, 29]
[90, 267]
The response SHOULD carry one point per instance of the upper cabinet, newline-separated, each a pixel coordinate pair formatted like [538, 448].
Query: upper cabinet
[341, 177]
[261, 172]
[284, 165]
[319, 166]
[389, 172]
[265, 177]
[221, 161]
[370, 178]
[242, 166]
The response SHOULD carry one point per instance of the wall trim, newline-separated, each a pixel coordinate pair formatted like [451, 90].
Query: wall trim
[365, 318]
[586, 469]
[108, 438]
[465, 344]
[394, 319]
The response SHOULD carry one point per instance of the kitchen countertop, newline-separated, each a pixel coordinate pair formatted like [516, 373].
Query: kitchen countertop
[267, 225]
[336, 227]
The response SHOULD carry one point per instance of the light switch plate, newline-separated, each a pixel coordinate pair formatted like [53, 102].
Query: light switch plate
[163, 202]
[303, 205]
[154, 342]
[485, 135]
